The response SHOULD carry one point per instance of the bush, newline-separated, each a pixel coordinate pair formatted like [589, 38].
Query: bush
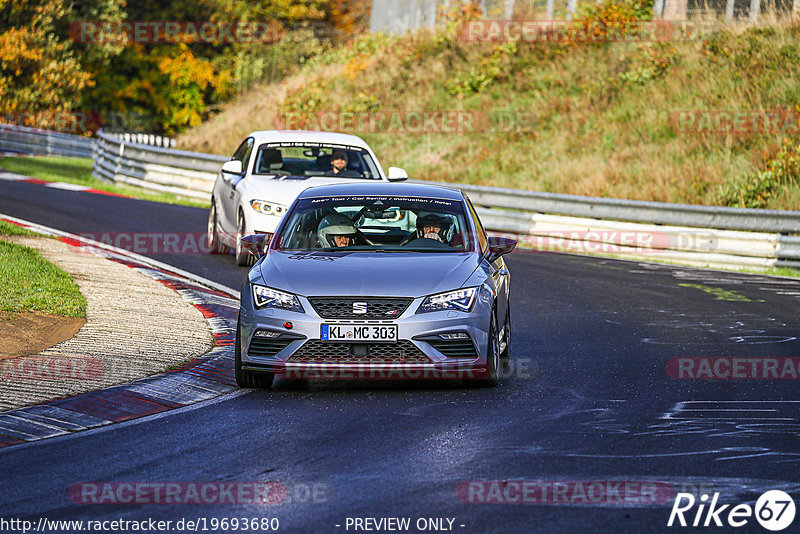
[611, 19]
[273, 62]
[491, 68]
[757, 190]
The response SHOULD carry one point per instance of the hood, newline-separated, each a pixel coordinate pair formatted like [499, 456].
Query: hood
[391, 274]
[285, 189]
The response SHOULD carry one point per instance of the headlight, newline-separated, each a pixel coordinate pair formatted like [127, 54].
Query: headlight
[459, 300]
[268, 208]
[266, 297]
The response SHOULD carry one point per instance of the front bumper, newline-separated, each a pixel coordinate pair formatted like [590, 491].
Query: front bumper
[299, 352]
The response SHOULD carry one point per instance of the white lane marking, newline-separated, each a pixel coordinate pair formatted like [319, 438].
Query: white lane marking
[66, 186]
[13, 177]
[750, 410]
[726, 410]
[734, 418]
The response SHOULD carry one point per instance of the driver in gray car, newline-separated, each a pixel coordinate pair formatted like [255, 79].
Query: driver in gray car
[433, 226]
[336, 231]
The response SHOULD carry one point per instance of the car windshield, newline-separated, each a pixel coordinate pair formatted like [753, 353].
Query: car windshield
[376, 223]
[314, 159]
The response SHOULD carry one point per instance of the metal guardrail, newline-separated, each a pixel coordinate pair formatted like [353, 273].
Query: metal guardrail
[680, 244]
[146, 139]
[189, 174]
[682, 233]
[750, 220]
[43, 142]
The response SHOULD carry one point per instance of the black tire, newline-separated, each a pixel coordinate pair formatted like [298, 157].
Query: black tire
[248, 379]
[492, 377]
[243, 258]
[505, 356]
[215, 244]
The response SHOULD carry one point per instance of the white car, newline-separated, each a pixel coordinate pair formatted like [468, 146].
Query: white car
[270, 169]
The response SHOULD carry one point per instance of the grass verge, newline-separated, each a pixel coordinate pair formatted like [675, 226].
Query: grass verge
[28, 282]
[79, 171]
[7, 228]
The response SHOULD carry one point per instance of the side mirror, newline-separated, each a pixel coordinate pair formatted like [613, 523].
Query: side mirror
[396, 174]
[500, 246]
[256, 244]
[233, 166]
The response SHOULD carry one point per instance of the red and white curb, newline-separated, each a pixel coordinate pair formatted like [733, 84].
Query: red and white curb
[202, 379]
[13, 177]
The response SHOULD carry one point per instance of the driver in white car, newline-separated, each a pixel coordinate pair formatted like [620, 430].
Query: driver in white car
[339, 162]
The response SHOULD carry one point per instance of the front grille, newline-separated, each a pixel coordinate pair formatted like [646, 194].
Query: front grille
[342, 307]
[267, 347]
[316, 351]
[455, 349]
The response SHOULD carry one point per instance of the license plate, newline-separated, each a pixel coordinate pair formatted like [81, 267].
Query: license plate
[359, 332]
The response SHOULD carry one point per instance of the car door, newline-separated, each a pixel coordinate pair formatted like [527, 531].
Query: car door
[497, 268]
[230, 181]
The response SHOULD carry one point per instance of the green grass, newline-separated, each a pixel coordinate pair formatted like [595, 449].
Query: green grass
[783, 271]
[28, 282]
[79, 171]
[7, 228]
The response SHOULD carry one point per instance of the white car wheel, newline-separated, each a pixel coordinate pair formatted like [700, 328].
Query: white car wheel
[243, 258]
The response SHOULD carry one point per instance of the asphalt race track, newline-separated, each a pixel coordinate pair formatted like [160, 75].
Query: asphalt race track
[593, 396]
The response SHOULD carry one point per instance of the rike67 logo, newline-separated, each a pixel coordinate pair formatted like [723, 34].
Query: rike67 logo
[774, 510]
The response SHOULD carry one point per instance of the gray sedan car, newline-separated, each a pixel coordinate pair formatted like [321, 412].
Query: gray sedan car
[374, 281]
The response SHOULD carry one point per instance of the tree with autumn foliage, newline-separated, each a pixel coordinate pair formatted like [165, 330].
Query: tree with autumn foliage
[38, 71]
[169, 86]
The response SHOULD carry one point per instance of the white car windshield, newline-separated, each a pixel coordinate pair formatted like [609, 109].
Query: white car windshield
[314, 159]
[376, 223]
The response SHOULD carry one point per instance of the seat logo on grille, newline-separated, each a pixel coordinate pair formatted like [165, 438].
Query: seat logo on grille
[359, 308]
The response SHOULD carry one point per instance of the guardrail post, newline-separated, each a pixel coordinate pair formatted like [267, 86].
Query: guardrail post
[729, 10]
[572, 6]
[755, 9]
[508, 10]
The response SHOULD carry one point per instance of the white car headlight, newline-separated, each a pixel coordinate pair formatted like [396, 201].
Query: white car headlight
[268, 208]
[459, 300]
[266, 297]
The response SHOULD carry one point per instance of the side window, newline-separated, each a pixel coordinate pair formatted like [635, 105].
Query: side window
[243, 152]
[482, 239]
